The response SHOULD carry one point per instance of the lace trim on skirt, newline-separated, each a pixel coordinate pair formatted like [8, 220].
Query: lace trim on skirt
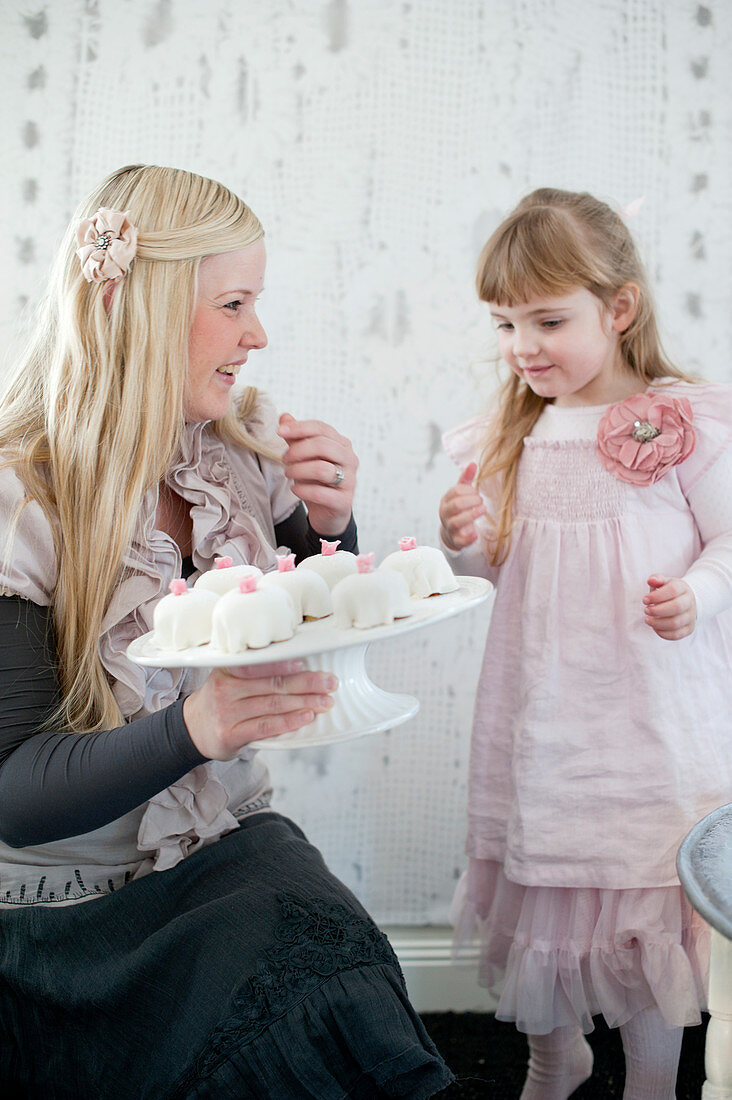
[327, 965]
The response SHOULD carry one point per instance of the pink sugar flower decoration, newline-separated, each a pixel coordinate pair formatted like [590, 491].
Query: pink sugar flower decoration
[107, 244]
[178, 588]
[407, 543]
[641, 438]
[248, 584]
[223, 563]
[328, 548]
[285, 563]
[365, 563]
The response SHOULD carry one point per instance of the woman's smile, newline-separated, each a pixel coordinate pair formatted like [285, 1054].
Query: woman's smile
[229, 372]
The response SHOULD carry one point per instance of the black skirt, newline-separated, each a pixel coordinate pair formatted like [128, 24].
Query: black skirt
[246, 971]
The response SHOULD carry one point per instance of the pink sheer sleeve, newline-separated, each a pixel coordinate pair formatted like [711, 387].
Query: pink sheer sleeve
[464, 445]
[705, 478]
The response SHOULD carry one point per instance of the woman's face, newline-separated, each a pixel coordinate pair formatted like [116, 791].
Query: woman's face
[224, 329]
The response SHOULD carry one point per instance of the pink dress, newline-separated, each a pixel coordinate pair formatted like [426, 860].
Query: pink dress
[596, 744]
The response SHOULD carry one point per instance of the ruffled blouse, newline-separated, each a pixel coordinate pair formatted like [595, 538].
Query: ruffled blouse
[236, 498]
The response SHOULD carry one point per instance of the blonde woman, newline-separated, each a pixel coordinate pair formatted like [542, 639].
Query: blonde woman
[164, 932]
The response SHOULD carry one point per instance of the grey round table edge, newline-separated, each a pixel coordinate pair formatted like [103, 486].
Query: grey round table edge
[708, 848]
[704, 864]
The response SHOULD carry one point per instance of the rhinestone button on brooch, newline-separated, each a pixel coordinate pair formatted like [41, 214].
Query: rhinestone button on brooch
[644, 432]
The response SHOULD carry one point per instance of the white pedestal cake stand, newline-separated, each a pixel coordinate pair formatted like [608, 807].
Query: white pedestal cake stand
[360, 707]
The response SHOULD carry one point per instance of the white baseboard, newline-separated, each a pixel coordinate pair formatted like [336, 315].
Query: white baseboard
[434, 982]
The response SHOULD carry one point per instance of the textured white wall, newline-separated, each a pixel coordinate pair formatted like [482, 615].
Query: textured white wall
[380, 142]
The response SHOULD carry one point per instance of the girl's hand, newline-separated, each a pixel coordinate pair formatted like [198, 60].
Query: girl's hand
[314, 461]
[459, 509]
[670, 607]
[238, 705]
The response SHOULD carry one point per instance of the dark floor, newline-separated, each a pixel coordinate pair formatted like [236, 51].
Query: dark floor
[489, 1059]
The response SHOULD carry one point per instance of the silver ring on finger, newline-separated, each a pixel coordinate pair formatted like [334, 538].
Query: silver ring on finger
[338, 477]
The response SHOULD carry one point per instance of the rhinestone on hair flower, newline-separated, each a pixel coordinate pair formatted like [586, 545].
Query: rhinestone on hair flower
[107, 245]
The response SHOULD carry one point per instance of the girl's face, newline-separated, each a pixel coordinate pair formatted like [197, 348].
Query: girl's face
[567, 348]
[224, 329]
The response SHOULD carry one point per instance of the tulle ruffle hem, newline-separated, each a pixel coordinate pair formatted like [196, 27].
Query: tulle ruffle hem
[564, 955]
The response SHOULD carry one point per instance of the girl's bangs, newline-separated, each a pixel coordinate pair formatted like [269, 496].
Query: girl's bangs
[513, 286]
[533, 258]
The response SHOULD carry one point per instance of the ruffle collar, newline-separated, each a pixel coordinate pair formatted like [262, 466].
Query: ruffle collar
[225, 523]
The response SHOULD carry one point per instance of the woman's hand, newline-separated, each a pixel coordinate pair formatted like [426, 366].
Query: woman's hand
[321, 465]
[238, 705]
[670, 607]
[459, 509]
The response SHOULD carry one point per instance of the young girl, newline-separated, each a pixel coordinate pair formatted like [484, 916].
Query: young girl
[598, 499]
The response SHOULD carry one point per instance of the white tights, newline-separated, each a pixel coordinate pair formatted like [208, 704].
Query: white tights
[558, 1064]
[652, 1052]
[561, 1061]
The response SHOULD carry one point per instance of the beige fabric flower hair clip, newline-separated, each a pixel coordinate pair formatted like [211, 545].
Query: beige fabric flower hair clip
[107, 245]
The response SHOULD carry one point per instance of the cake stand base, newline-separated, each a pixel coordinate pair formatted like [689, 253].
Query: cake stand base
[359, 706]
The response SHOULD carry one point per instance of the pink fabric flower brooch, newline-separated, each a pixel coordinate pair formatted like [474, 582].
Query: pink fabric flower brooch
[107, 245]
[641, 438]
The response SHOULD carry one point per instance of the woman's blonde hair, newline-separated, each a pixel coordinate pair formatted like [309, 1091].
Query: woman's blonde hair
[91, 418]
[552, 243]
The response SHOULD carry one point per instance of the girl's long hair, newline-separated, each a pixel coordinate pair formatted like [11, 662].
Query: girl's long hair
[92, 414]
[555, 242]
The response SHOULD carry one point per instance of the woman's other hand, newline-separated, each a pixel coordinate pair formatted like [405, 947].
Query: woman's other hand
[321, 466]
[238, 705]
[670, 607]
[459, 509]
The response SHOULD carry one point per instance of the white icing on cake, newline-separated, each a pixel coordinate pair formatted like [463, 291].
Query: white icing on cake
[183, 620]
[224, 580]
[331, 567]
[425, 569]
[398, 590]
[370, 599]
[310, 593]
[252, 620]
[273, 605]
